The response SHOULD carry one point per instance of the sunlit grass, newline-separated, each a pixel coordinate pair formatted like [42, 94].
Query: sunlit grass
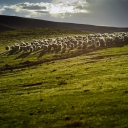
[90, 90]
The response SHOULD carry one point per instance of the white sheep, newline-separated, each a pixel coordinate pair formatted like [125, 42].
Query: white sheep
[45, 48]
[97, 43]
[31, 49]
[108, 41]
[102, 42]
[28, 47]
[71, 46]
[84, 45]
[59, 47]
[49, 47]
[64, 46]
[17, 47]
[125, 38]
[7, 48]
[13, 48]
[24, 48]
[118, 41]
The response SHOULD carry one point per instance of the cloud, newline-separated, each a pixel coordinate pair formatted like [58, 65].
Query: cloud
[57, 8]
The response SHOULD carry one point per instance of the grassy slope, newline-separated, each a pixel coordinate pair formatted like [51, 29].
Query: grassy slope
[89, 90]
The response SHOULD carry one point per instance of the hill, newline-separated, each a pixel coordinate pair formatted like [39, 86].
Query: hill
[85, 91]
[14, 22]
[5, 28]
[50, 89]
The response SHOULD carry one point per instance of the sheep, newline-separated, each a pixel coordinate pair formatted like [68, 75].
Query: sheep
[105, 35]
[93, 44]
[68, 43]
[59, 47]
[17, 47]
[45, 48]
[28, 47]
[124, 34]
[118, 40]
[36, 43]
[54, 45]
[90, 45]
[23, 44]
[90, 36]
[125, 38]
[102, 42]
[85, 38]
[7, 48]
[98, 35]
[39, 47]
[31, 49]
[97, 43]
[84, 45]
[64, 45]
[80, 42]
[46, 43]
[93, 41]
[27, 43]
[71, 46]
[13, 48]
[80, 38]
[89, 42]
[84, 42]
[34, 47]
[80, 45]
[75, 42]
[24, 48]
[49, 47]
[42, 43]
[109, 41]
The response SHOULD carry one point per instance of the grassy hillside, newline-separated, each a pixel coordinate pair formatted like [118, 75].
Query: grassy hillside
[13, 22]
[90, 90]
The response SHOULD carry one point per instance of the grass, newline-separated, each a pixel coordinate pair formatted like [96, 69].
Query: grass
[90, 90]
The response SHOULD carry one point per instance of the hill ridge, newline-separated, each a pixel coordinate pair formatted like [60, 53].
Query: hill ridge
[15, 22]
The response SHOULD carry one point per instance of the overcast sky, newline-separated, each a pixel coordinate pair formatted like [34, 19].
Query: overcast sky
[95, 12]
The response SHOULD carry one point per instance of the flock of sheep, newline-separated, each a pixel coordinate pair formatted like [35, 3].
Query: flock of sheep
[61, 44]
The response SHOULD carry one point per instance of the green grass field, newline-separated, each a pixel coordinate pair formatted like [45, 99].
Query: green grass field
[86, 91]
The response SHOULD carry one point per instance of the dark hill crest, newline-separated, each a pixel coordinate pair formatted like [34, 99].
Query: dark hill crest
[14, 22]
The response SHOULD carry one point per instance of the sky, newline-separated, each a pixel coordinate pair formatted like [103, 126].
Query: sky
[94, 12]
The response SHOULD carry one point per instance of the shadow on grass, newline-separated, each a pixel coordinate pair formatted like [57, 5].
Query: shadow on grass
[73, 124]
[23, 55]
[4, 53]
[41, 54]
[13, 52]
